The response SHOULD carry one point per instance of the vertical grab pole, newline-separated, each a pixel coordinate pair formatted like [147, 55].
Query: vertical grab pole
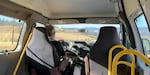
[22, 54]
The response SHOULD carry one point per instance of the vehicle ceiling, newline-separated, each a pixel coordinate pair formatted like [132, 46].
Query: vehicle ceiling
[71, 8]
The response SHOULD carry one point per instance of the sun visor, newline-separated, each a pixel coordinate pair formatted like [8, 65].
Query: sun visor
[103, 20]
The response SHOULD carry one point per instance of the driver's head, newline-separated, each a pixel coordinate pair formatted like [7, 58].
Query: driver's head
[50, 31]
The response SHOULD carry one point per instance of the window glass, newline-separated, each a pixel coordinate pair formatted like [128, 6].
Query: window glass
[144, 33]
[10, 29]
[80, 32]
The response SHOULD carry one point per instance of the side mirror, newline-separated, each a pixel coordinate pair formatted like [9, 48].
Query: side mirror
[146, 45]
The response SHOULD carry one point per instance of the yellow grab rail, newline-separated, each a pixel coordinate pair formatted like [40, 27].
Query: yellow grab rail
[124, 62]
[110, 56]
[132, 65]
[22, 54]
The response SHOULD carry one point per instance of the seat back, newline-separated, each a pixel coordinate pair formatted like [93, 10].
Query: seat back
[98, 61]
[40, 46]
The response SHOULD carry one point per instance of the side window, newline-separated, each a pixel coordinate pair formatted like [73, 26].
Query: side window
[144, 33]
[10, 29]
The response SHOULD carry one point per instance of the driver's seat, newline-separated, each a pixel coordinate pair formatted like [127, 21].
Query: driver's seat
[40, 52]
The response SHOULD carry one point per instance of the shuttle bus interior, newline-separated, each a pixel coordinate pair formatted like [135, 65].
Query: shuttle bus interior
[99, 37]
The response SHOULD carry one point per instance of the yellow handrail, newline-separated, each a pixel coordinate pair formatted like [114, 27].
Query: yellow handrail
[110, 56]
[124, 62]
[22, 54]
[125, 52]
[132, 64]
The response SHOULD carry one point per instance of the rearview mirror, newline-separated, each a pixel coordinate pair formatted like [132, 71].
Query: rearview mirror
[83, 30]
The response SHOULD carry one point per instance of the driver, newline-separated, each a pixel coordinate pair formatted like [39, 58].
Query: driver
[51, 35]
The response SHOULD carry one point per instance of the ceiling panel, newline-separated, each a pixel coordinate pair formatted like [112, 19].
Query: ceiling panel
[71, 8]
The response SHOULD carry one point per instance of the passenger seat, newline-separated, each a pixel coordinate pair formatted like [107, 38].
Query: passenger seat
[97, 64]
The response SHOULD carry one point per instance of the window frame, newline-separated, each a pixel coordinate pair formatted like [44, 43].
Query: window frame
[138, 31]
[19, 40]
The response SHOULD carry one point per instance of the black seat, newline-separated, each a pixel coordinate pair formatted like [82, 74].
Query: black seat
[107, 38]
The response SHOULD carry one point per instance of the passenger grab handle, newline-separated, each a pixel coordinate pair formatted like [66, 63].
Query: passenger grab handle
[133, 53]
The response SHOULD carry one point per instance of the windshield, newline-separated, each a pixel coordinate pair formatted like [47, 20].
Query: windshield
[80, 32]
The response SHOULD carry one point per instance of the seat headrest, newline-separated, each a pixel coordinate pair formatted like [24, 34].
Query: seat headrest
[107, 38]
[42, 29]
